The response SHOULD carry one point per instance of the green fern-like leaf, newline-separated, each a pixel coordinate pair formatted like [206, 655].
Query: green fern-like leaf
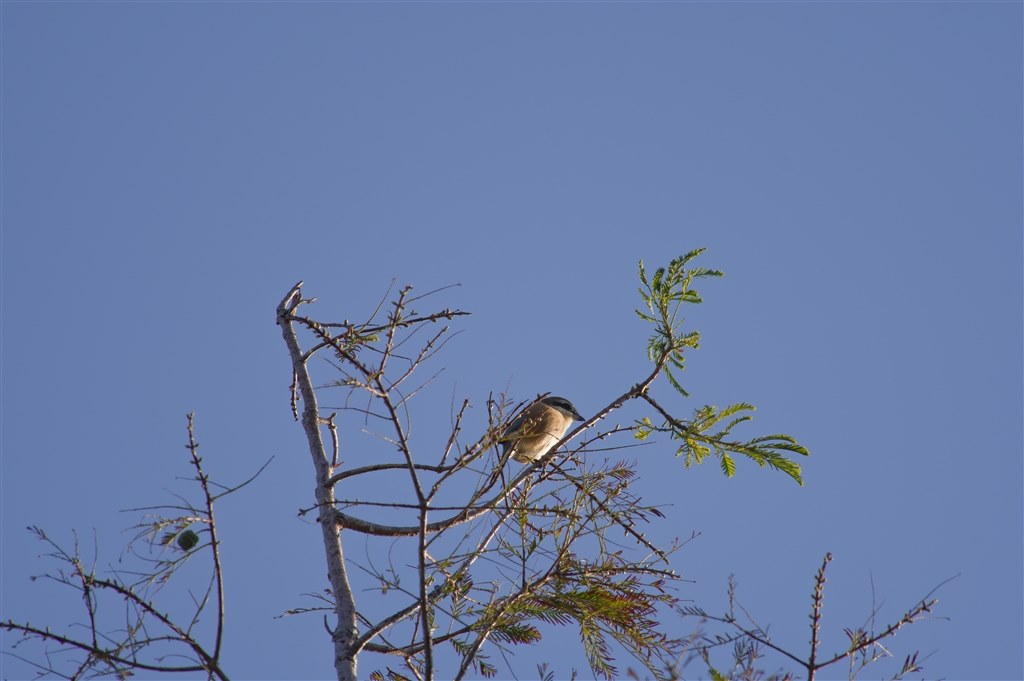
[717, 675]
[675, 383]
[516, 633]
[728, 465]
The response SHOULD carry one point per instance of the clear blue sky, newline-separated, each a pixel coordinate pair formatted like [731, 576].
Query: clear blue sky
[170, 169]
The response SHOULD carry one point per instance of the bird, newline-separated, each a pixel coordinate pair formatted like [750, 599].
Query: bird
[538, 428]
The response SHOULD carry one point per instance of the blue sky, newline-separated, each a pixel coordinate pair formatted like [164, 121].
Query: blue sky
[171, 169]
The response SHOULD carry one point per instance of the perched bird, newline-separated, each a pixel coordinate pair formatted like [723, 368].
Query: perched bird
[538, 428]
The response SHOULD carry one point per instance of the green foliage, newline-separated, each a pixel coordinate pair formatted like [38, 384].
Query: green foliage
[664, 295]
[708, 431]
[717, 675]
[702, 436]
[477, 659]
[603, 600]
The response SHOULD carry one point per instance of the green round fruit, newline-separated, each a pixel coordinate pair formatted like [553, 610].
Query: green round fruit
[187, 540]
